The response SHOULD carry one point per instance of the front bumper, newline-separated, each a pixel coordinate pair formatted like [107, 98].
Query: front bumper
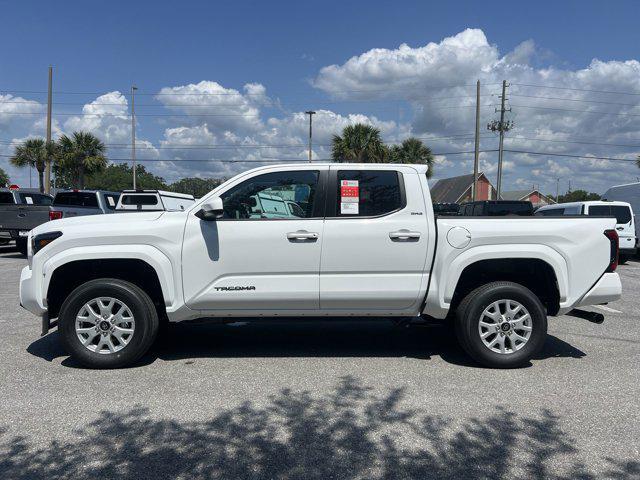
[29, 297]
[607, 289]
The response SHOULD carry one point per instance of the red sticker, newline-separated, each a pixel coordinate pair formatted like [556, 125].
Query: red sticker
[349, 189]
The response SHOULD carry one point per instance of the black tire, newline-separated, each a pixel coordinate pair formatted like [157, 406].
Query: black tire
[21, 245]
[622, 259]
[468, 316]
[141, 306]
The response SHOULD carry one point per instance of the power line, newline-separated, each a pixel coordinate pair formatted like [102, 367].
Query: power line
[588, 157]
[576, 142]
[564, 99]
[555, 87]
[579, 111]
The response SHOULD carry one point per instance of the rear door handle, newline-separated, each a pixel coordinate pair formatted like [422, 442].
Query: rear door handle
[404, 234]
[22, 215]
[619, 228]
[302, 235]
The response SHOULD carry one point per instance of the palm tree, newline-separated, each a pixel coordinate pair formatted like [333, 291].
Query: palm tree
[412, 150]
[359, 143]
[4, 178]
[81, 154]
[31, 153]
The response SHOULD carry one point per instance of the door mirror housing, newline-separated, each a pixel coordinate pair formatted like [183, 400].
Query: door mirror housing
[211, 209]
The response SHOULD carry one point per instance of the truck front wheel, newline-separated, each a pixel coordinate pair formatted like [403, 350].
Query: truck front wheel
[108, 323]
[21, 245]
[501, 325]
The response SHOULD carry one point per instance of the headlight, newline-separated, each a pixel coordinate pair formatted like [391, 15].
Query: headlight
[38, 242]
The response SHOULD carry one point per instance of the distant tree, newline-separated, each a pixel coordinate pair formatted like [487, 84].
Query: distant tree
[119, 176]
[198, 187]
[412, 150]
[4, 178]
[359, 143]
[576, 196]
[80, 155]
[32, 153]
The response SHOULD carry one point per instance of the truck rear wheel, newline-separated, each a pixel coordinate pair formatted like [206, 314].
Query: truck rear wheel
[108, 323]
[501, 325]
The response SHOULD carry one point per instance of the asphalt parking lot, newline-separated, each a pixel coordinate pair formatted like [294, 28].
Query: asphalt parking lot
[322, 400]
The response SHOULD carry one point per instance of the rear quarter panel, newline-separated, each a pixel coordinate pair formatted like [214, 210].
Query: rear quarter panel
[576, 249]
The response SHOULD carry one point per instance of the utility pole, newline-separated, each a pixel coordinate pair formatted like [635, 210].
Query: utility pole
[476, 152]
[501, 126]
[47, 168]
[311, 113]
[557, 189]
[133, 133]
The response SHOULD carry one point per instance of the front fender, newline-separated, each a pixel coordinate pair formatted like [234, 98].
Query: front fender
[147, 253]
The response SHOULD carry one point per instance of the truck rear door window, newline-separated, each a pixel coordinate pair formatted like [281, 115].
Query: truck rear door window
[76, 199]
[111, 200]
[368, 193]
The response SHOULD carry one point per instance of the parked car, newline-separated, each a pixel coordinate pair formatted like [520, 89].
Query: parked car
[629, 193]
[622, 211]
[22, 209]
[154, 200]
[496, 208]
[76, 203]
[368, 245]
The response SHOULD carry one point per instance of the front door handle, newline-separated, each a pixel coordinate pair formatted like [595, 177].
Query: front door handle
[302, 235]
[22, 215]
[404, 234]
[619, 228]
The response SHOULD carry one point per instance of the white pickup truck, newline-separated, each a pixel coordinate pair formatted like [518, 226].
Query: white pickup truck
[344, 240]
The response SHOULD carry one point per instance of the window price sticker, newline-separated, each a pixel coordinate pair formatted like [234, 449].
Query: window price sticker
[349, 191]
[347, 208]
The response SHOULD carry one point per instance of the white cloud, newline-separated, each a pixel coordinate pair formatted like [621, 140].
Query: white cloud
[438, 80]
[434, 82]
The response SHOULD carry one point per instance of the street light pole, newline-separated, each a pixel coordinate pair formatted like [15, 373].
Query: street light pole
[47, 171]
[133, 133]
[311, 113]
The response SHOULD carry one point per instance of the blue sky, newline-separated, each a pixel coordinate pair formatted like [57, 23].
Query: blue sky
[102, 47]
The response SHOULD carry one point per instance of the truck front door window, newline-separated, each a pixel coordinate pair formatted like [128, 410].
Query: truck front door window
[277, 195]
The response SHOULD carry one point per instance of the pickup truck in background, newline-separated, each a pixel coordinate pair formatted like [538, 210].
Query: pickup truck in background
[21, 210]
[153, 201]
[496, 208]
[361, 241]
[77, 203]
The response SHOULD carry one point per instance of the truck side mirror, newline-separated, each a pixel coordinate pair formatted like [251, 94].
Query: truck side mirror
[211, 209]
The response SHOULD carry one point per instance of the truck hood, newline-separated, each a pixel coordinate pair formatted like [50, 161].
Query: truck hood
[98, 222]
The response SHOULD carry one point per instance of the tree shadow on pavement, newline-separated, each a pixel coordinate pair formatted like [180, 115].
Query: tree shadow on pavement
[351, 433]
[306, 338]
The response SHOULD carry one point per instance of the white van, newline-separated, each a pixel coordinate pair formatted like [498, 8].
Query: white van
[625, 223]
[150, 200]
[629, 193]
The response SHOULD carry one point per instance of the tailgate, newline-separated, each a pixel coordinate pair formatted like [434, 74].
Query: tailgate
[22, 218]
